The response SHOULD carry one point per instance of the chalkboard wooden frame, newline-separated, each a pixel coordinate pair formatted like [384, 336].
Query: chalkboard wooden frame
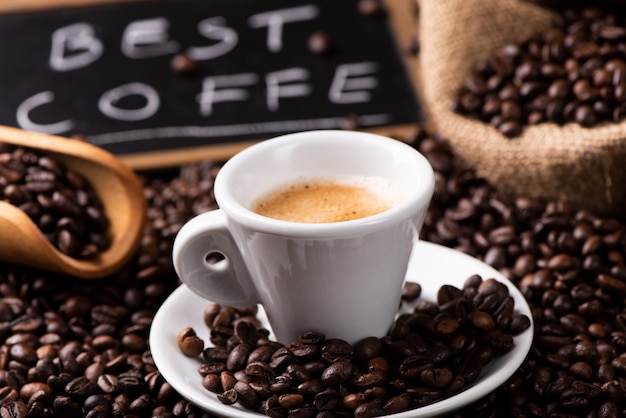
[402, 20]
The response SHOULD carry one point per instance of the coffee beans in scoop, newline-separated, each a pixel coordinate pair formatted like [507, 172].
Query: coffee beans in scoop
[573, 72]
[430, 354]
[58, 200]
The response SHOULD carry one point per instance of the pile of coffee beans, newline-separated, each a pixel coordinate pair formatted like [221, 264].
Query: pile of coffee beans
[431, 353]
[573, 72]
[76, 348]
[569, 264]
[58, 200]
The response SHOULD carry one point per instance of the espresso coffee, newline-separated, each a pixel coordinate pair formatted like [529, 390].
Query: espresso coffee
[327, 200]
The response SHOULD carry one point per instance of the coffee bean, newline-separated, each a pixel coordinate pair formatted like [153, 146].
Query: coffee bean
[227, 380]
[327, 400]
[14, 409]
[107, 383]
[259, 369]
[368, 410]
[448, 293]
[212, 383]
[291, 401]
[334, 350]
[23, 353]
[246, 331]
[372, 8]
[189, 343]
[436, 377]
[245, 395]
[281, 358]
[131, 383]
[350, 122]
[320, 43]
[238, 356]
[368, 348]
[353, 400]
[80, 386]
[310, 388]
[183, 64]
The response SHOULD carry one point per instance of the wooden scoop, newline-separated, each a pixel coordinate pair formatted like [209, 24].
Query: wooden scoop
[116, 185]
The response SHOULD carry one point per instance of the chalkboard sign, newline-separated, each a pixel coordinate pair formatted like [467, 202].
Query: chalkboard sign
[104, 72]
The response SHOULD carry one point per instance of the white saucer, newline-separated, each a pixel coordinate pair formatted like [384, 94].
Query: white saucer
[432, 266]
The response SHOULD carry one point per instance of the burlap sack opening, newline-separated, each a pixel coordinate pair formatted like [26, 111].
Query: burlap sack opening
[585, 167]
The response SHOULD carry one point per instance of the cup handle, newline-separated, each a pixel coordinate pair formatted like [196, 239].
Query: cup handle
[225, 282]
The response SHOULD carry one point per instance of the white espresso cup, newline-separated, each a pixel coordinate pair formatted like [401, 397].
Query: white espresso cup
[343, 279]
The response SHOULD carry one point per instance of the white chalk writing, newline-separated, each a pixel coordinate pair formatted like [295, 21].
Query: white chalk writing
[148, 38]
[73, 47]
[276, 19]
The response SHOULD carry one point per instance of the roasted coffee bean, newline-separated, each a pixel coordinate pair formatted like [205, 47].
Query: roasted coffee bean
[246, 331]
[281, 358]
[260, 370]
[189, 343]
[443, 325]
[291, 401]
[14, 409]
[212, 383]
[64, 405]
[448, 293]
[107, 383]
[412, 366]
[227, 380]
[262, 353]
[334, 350]
[246, 395]
[373, 378]
[371, 8]
[23, 353]
[320, 43]
[411, 291]
[368, 348]
[131, 383]
[337, 373]
[8, 394]
[210, 313]
[398, 404]
[482, 320]
[315, 367]
[310, 388]
[368, 410]
[30, 389]
[298, 373]
[327, 400]
[183, 64]
[238, 356]
[272, 408]
[519, 323]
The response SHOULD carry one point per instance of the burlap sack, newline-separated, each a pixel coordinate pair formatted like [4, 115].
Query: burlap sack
[585, 167]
